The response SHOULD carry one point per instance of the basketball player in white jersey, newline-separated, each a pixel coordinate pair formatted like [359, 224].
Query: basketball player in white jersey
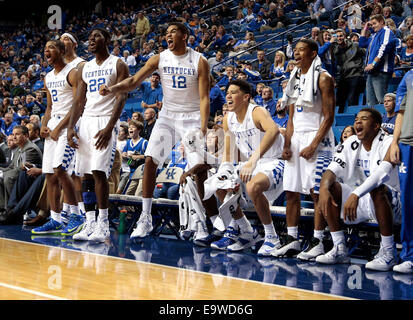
[252, 131]
[71, 43]
[96, 140]
[308, 148]
[185, 108]
[61, 85]
[369, 189]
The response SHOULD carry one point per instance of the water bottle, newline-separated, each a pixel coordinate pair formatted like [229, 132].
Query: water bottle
[122, 221]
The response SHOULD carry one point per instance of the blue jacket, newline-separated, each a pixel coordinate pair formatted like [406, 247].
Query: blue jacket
[402, 89]
[381, 45]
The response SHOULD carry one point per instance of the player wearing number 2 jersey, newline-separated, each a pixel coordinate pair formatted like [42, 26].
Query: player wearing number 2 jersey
[96, 140]
[185, 108]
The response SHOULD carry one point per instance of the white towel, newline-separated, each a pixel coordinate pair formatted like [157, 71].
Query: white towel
[292, 91]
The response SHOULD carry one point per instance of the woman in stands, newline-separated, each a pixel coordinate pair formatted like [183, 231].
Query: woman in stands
[279, 66]
[406, 54]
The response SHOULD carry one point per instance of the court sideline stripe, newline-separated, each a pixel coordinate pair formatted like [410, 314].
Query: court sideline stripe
[196, 271]
[34, 292]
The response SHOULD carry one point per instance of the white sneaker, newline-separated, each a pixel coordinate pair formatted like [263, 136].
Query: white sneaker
[270, 245]
[143, 227]
[87, 230]
[384, 260]
[339, 254]
[315, 248]
[245, 240]
[101, 232]
[405, 267]
[289, 248]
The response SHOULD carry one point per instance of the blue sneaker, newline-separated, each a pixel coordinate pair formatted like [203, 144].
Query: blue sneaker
[74, 225]
[65, 217]
[229, 238]
[50, 227]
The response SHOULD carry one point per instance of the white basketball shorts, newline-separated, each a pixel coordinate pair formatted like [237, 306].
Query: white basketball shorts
[56, 153]
[169, 129]
[301, 175]
[88, 158]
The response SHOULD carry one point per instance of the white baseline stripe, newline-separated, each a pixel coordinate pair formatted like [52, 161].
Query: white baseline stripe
[34, 292]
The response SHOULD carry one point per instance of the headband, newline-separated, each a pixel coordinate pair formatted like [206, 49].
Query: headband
[69, 36]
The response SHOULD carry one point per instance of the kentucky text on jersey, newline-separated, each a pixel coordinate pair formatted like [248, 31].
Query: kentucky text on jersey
[245, 134]
[56, 84]
[98, 73]
[179, 70]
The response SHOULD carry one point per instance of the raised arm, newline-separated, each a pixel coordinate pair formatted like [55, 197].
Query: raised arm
[204, 88]
[134, 81]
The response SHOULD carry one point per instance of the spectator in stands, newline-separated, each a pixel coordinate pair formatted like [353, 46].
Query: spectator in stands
[268, 101]
[142, 30]
[325, 51]
[277, 20]
[262, 65]
[404, 27]
[406, 54]
[281, 118]
[315, 32]
[256, 24]
[34, 118]
[152, 93]
[137, 116]
[38, 107]
[380, 58]
[350, 77]
[120, 146]
[353, 13]
[128, 58]
[239, 45]
[134, 151]
[226, 78]
[7, 124]
[149, 117]
[252, 75]
[277, 71]
[258, 93]
[326, 10]
[216, 97]
[220, 40]
[389, 118]
[401, 153]
[217, 60]
[347, 132]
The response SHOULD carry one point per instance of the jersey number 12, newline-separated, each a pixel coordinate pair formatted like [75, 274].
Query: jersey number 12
[179, 82]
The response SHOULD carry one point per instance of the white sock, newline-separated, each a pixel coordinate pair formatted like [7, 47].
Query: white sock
[56, 216]
[387, 241]
[91, 215]
[244, 224]
[213, 218]
[147, 205]
[74, 209]
[319, 234]
[233, 224]
[103, 214]
[338, 237]
[293, 231]
[270, 230]
[81, 206]
[66, 207]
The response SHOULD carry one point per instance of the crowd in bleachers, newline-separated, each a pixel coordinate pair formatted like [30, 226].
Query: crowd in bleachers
[251, 40]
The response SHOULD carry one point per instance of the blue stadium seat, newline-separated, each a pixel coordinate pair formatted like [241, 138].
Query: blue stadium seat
[380, 108]
[354, 109]
[344, 119]
[337, 130]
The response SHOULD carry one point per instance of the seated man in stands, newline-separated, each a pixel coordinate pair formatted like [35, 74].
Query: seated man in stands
[370, 189]
[389, 119]
[152, 93]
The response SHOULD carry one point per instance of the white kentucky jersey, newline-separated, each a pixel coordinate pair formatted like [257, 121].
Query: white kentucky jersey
[94, 76]
[60, 91]
[308, 118]
[76, 62]
[179, 78]
[248, 137]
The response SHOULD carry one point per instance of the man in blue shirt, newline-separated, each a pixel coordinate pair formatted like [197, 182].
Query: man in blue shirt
[380, 54]
[268, 101]
[152, 93]
[389, 118]
[216, 97]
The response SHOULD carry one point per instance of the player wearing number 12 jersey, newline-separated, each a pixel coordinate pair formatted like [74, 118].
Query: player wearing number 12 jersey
[185, 108]
[96, 140]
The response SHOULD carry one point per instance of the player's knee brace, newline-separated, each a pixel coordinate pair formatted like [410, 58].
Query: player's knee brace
[88, 194]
